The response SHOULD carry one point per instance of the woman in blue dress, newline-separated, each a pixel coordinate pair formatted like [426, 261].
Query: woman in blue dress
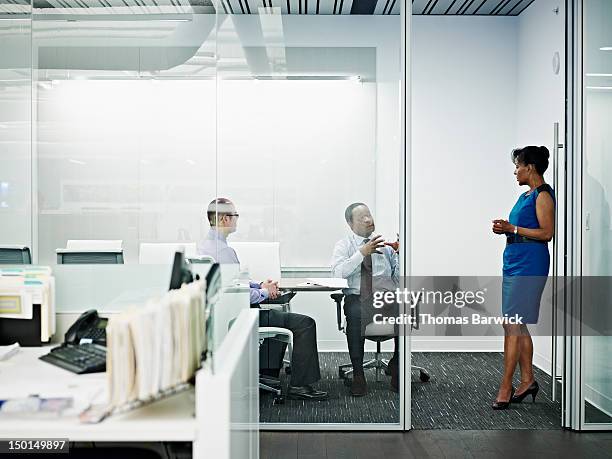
[526, 263]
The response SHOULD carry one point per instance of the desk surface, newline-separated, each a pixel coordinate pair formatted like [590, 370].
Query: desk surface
[294, 283]
[170, 419]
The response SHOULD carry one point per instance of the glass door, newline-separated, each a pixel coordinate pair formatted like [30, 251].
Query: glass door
[590, 327]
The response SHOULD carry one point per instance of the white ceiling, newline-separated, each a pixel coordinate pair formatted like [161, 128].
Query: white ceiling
[237, 7]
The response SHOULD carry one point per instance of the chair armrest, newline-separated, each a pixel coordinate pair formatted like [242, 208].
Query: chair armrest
[281, 334]
[278, 307]
[337, 297]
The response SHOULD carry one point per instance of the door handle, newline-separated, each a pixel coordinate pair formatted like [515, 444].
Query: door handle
[555, 268]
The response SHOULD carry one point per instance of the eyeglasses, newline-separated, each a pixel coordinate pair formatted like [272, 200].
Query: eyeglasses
[235, 214]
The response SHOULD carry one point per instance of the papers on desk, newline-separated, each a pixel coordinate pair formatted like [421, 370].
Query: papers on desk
[156, 347]
[35, 406]
[6, 352]
[330, 282]
[23, 287]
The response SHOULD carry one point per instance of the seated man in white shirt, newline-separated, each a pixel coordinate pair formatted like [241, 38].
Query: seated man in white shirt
[305, 371]
[357, 258]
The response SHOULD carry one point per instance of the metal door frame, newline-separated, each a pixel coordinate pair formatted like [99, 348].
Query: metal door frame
[573, 412]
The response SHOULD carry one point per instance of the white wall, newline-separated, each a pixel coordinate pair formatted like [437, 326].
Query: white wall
[128, 160]
[463, 125]
[463, 121]
[139, 160]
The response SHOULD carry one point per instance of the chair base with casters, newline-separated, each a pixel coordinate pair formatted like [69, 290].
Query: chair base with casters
[377, 362]
[269, 383]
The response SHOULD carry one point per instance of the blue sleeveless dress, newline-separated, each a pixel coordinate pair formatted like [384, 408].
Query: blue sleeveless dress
[526, 264]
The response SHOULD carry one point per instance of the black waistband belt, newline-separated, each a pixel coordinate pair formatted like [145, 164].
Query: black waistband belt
[516, 239]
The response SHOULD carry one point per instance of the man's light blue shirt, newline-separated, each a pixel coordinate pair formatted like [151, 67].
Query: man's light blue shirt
[215, 245]
[346, 262]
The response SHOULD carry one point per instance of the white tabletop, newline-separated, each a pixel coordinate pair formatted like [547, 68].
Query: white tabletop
[170, 419]
[301, 284]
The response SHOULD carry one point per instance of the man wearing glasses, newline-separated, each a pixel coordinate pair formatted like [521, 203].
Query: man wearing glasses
[305, 371]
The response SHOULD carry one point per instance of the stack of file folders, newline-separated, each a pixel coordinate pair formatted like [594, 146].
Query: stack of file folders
[156, 347]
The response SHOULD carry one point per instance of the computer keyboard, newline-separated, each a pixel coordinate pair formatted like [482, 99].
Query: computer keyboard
[80, 359]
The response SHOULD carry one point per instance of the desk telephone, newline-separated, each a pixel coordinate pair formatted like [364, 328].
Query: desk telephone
[83, 350]
[88, 328]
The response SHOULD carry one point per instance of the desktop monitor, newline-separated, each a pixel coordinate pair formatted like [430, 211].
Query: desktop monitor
[181, 274]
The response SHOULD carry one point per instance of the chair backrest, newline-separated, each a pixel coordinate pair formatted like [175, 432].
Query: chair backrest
[261, 259]
[200, 259]
[95, 252]
[162, 253]
[15, 255]
[95, 244]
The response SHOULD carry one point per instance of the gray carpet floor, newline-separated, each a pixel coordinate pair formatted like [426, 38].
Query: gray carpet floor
[458, 397]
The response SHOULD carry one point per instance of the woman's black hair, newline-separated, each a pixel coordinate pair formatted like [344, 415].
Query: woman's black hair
[538, 156]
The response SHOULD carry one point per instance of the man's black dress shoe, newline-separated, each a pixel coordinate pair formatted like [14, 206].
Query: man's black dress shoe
[306, 393]
[359, 387]
[394, 378]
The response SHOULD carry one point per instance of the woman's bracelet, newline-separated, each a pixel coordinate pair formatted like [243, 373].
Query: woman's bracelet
[516, 229]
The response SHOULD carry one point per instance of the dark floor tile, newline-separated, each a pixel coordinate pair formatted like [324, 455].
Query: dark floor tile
[439, 444]
[278, 445]
[340, 445]
[311, 444]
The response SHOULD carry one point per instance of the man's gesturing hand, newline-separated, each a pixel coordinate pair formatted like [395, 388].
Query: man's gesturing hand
[372, 246]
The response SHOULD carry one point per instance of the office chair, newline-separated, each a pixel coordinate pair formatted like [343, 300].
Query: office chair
[15, 255]
[373, 332]
[270, 383]
[96, 252]
[262, 260]
[162, 253]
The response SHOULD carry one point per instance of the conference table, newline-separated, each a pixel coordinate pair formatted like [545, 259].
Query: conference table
[303, 284]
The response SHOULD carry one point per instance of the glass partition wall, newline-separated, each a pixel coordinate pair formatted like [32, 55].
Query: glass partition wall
[15, 123]
[596, 228]
[124, 122]
[308, 122]
[125, 126]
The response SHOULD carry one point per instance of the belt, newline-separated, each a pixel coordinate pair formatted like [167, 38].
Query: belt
[516, 239]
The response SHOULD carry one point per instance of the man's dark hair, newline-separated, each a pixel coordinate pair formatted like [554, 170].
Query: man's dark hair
[218, 206]
[348, 213]
[538, 156]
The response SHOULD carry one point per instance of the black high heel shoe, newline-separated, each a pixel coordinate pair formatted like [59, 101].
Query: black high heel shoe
[533, 390]
[503, 405]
